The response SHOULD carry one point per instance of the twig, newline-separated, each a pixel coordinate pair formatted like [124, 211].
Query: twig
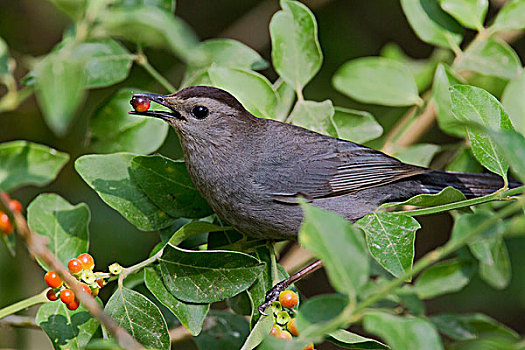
[178, 334]
[19, 321]
[37, 246]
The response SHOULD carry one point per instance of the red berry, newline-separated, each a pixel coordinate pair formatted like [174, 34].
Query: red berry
[15, 205]
[284, 335]
[75, 266]
[85, 288]
[52, 295]
[73, 305]
[67, 296]
[5, 197]
[5, 224]
[288, 299]
[52, 279]
[87, 261]
[140, 104]
[292, 327]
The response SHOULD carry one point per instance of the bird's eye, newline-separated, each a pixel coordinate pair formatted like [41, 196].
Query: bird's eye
[200, 112]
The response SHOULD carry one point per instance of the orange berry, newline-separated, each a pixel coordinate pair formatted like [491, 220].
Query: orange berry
[288, 299]
[87, 261]
[52, 295]
[73, 305]
[67, 296]
[309, 347]
[15, 205]
[5, 224]
[275, 330]
[284, 335]
[85, 288]
[52, 279]
[75, 266]
[292, 327]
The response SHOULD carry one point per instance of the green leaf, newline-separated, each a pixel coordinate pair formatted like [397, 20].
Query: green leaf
[470, 13]
[431, 24]
[444, 78]
[252, 89]
[472, 104]
[421, 69]
[377, 80]
[153, 27]
[4, 58]
[495, 268]
[207, 276]
[190, 316]
[110, 176]
[25, 163]
[338, 244]
[444, 277]
[447, 195]
[420, 154]
[315, 315]
[166, 5]
[73, 8]
[259, 332]
[60, 88]
[316, 116]
[105, 62]
[257, 292]
[408, 333]
[491, 57]
[66, 329]
[356, 126]
[390, 238]
[168, 185]
[226, 331]
[140, 317]
[296, 53]
[510, 17]
[512, 144]
[286, 98]
[349, 340]
[112, 129]
[513, 100]
[464, 161]
[470, 326]
[223, 53]
[232, 53]
[65, 225]
[194, 228]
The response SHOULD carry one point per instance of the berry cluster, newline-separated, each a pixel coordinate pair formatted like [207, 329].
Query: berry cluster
[6, 227]
[82, 268]
[284, 326]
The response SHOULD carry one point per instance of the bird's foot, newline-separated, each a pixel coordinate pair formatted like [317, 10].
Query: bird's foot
[273, 294]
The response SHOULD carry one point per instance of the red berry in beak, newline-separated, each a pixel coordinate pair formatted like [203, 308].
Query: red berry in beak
[140, 104]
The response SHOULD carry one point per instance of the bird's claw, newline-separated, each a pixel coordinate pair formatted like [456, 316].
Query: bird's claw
[272, 295]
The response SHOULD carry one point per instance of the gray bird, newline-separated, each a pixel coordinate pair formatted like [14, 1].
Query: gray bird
[252, 170]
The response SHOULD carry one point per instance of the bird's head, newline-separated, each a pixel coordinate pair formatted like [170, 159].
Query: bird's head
[197, 111]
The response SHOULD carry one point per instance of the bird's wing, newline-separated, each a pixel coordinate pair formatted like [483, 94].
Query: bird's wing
[327, 167]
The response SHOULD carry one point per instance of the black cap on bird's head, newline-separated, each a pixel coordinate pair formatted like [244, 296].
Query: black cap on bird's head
[194, 103]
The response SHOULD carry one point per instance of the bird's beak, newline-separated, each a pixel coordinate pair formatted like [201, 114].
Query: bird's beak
[161, 100]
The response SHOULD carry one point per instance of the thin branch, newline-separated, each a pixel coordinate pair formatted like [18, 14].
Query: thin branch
[178, 334]
[19, 321]
[37, 246]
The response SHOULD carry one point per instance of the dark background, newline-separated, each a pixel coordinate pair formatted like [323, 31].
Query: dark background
[347, 29]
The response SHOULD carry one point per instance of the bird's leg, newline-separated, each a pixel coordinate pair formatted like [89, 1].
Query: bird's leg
[273, 294]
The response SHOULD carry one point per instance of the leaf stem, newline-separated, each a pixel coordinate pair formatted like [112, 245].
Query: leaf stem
[24, 304]
[142, 61]
[498, 195]
[129, 270]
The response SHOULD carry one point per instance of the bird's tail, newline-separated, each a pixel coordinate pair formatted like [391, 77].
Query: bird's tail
[472, 185]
